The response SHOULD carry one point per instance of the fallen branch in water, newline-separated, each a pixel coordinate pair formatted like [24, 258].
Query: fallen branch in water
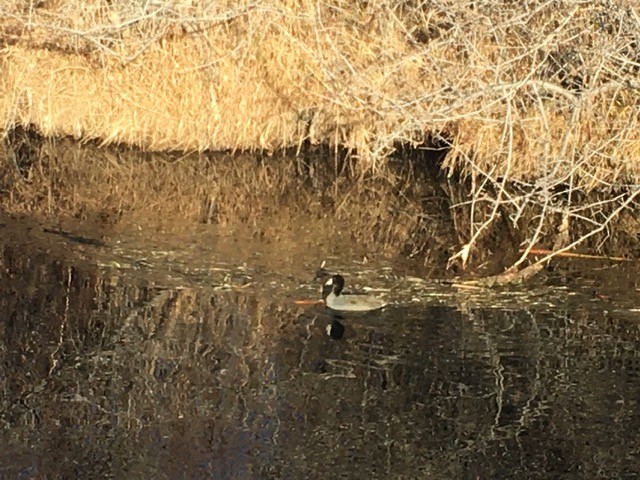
[561, 247]
[542, 251]
[510, 276]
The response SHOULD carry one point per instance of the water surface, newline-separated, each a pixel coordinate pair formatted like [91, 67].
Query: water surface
[107, 373]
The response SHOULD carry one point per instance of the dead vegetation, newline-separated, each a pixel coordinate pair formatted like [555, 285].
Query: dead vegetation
[537, 101]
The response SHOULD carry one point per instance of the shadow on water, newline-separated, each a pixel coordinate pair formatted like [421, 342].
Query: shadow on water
[103, 377]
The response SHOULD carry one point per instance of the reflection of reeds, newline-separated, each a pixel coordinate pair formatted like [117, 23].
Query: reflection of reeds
[197, 383]
[282, 202]
[94, 352]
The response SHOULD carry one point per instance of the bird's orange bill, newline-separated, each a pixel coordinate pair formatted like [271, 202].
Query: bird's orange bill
[308, 302]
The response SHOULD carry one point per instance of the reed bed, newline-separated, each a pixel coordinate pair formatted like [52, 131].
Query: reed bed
[538, 101]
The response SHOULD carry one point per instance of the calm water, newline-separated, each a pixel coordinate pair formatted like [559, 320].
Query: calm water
[107, 377]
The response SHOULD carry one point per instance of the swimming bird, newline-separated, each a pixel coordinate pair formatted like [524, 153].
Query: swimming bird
[336, 300]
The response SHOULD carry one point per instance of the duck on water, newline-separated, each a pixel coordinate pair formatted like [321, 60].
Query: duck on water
[336, 300]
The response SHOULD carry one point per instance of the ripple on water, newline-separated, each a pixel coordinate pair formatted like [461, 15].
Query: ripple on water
[112, 372]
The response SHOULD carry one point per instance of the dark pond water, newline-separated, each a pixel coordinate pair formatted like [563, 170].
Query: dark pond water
[102, 376]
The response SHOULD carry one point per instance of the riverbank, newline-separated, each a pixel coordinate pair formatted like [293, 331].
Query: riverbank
[310, 203]
[536, 91]
[534, 118]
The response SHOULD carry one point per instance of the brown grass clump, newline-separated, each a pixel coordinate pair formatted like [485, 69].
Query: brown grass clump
[539, 101]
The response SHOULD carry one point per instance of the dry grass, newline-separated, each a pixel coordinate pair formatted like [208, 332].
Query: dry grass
[539, 101]
[523, 85]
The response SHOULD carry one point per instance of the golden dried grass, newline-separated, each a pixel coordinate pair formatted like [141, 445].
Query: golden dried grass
[527, 86]
[542, 94]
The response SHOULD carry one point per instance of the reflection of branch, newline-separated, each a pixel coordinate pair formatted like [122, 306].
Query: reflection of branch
[529, 411]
